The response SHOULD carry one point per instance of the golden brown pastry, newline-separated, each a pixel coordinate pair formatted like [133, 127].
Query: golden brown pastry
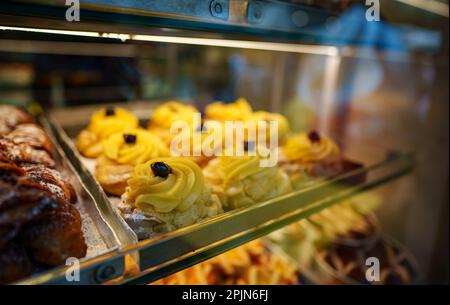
[11, 116]
[14, 263]
[53, 239]
[24, 153]
[31, 134]
[52, 180]
[249, 264]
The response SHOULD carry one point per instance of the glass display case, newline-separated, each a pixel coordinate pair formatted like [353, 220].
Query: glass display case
[366, 83]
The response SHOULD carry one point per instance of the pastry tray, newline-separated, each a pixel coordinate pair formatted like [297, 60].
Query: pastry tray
[101, 239]
[160, 256]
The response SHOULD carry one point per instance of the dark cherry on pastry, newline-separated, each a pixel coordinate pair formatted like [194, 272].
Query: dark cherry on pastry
[24, 153]
[314, 136]
[32, 135]
[161, 169]
[110, 111]
[129, 138]
[11, 116]
[52, 180]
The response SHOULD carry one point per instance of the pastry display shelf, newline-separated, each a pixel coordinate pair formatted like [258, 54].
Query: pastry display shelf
[164, 255]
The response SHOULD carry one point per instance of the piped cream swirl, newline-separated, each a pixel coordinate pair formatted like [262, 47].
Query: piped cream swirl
[178, 191]
[300, 148]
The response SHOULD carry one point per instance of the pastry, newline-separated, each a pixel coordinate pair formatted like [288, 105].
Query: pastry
[39, 226]
[240, 181]
[201, 145]
[249, 264]
[263, 116]
[240, 110]
[341, 264]
[52, 180]
[166, 114]
[308, 157]
[122, 151]
[35, 225]
[165, 194]
[32, 135]
[11, 116]
[24, 153]
[103, 123]
[14, 262]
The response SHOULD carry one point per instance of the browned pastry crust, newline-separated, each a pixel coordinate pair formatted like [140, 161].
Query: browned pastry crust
[32, 135]
[14, 263]
[11, 116]
[46, 225]
[24, 153]
[53, 239]
[52, 180]
[112, 176]
[22, 201]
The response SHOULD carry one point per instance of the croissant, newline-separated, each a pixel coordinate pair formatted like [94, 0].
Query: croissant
[11, 116]
[32, 135]
[24, 153]
[52, 180]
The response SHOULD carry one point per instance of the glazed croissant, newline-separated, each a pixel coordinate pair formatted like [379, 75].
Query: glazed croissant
[39, 227]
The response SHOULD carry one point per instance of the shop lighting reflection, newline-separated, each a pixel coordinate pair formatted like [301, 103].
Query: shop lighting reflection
[243, 44]
[432, 6]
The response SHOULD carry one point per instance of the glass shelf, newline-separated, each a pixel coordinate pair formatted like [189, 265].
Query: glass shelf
[163, 255]
[195, 244]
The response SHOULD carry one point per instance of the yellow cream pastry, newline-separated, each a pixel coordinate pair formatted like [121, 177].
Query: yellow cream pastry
[103, 123]
[240, 110]
[240, 181]
[199, 145]
[165, 194]
[122, 151]
[166, 114]
[263, 116]
[307, 157]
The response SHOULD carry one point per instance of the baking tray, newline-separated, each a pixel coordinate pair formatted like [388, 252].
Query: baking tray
[102, 241]
[160, 256]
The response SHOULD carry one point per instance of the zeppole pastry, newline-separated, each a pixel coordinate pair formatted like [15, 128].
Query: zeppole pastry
[165, 194]
[240, 181]
[263, 116]
[166, 114]
[122, 151]
[104, 123]
[308, 157]
[250, 264]
[240, 110]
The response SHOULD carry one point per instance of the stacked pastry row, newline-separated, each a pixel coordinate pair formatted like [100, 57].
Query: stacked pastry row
[39, 224]
[161, 193]
[250, 264]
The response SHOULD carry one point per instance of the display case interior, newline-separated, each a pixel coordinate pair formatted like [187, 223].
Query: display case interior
[374, 90]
